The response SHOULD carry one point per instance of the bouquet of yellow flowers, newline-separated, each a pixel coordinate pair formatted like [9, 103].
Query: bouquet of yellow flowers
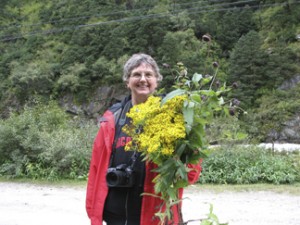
[170, 131]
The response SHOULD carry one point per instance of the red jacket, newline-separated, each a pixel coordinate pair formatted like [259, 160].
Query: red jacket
[97, 189]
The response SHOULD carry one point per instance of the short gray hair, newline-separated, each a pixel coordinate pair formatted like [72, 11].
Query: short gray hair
[136, 60]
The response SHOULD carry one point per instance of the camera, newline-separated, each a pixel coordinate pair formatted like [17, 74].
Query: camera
[120, 176]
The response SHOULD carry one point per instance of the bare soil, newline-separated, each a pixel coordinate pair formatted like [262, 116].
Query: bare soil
[29, 204]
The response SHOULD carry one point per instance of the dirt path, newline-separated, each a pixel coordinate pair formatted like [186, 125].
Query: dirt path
[245, 208]
[27, 204]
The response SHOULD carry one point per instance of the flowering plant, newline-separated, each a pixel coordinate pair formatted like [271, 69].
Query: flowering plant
[170, 131]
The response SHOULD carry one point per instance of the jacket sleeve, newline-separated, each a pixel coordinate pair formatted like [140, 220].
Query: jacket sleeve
[96, 186]
[195, 171]
[92, 176]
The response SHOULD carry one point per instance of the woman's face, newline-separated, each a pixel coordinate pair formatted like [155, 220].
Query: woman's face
[142, 82]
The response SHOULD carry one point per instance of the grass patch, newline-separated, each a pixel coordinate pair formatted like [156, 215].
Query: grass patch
[57, 183]
[293, 189]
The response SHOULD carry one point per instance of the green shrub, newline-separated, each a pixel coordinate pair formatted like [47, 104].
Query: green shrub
[246, 165]
[43, 142]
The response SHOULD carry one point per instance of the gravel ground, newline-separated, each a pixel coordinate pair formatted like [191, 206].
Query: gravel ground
[28, 204]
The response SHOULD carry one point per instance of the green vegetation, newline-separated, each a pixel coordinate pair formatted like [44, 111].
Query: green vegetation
[43, 142]
[277, 188]
[250, 165]
[52, 49]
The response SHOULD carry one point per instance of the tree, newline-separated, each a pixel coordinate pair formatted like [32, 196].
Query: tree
[36, 77]
[247, 61]
[281, 66]
[234, 24]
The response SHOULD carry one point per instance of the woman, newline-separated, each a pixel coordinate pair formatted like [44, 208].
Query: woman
[111, 198]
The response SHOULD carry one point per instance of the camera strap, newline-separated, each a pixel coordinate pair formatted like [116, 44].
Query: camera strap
[133, 159]
[120, 118]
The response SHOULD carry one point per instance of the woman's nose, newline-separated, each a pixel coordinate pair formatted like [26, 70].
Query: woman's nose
[143, 77]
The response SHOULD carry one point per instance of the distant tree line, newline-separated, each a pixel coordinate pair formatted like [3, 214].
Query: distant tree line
[53, 48]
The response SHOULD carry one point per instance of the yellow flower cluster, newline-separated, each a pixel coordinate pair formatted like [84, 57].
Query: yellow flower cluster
[161, 126]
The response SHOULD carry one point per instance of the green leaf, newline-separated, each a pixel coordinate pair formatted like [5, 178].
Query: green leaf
[205, 222]
[182, 170]
[221, 101]
[206, 80]
[165, 166]
[207, 92]
[195, 97]
[180, 149]
[181, 184]
[197, 136]
[188, 114]
[194, 159]
[213, 217]
[196, 78]
[172, 192]
[172, 94]
[191, 104]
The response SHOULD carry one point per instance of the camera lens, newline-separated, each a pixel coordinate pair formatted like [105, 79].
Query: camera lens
[116, 178]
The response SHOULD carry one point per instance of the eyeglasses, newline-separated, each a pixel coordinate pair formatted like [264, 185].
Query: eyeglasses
[139, 76]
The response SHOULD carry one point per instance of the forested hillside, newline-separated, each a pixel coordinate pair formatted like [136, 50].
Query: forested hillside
[58, 47]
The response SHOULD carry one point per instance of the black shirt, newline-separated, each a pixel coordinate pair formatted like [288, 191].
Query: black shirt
[125, 201]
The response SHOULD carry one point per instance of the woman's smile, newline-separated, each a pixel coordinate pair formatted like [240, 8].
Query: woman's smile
[142, 83]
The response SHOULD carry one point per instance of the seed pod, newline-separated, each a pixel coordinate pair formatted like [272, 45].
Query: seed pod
[232, 111]
[236, 102]
[235, 85]
[206, 38]
[215, 64]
